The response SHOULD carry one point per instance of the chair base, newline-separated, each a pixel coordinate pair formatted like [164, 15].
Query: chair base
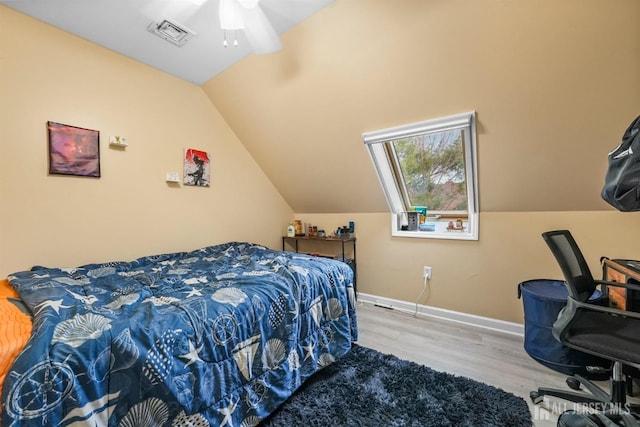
[595, 397]
[572, 396]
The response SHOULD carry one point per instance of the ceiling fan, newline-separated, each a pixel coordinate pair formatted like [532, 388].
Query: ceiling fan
[247, 15]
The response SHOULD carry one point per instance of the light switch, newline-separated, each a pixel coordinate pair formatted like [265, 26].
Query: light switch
[117, 140]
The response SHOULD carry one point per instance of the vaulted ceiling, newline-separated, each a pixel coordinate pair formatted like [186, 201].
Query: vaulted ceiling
[122, 26]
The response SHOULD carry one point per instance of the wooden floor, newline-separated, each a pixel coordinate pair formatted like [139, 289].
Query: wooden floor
[491, 357]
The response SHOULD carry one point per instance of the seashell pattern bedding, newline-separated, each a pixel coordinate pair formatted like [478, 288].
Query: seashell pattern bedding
[215, 337]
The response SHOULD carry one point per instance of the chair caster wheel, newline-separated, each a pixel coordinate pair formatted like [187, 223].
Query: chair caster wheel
[573, 383]
[536, 397]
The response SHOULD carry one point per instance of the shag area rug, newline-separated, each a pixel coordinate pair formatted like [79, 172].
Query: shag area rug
[368, 388]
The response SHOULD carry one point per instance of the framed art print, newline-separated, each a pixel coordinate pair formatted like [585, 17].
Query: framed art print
[196, 168]
[73, 150]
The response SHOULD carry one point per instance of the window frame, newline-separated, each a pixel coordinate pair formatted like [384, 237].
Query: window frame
[378, 144]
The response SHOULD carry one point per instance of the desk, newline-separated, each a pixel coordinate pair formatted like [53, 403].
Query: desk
[622, 271]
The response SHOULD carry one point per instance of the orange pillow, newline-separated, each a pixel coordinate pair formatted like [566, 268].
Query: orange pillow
[15, 329]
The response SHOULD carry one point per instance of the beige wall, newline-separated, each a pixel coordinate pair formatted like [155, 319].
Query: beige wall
[46, 74]
[554, 84]
[480, 277]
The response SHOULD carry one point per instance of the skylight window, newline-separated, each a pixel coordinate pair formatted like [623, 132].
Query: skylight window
[428, 171]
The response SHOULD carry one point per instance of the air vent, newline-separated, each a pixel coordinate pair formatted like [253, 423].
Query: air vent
[171, 32]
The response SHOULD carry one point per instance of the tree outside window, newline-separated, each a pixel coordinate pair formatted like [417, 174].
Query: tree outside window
[433, 170]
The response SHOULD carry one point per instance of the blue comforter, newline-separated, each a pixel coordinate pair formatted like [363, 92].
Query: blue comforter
[215, 337]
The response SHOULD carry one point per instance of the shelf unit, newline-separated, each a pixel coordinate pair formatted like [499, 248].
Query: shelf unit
[294, 242]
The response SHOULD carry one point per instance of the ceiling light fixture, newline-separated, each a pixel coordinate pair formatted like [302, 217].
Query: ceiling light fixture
[246, 15]
[230, 19]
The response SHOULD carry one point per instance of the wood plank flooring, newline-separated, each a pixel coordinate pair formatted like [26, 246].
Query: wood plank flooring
[484, 355]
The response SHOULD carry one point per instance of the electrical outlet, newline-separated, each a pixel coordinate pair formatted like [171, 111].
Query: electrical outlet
[427, 272]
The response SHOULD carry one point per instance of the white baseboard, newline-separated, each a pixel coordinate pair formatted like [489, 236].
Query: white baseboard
[441, 313]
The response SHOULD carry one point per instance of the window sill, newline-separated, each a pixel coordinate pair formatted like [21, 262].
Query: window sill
[452, 235]
[470, 231]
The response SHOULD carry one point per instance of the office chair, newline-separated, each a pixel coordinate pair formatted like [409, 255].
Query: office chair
[606, 332]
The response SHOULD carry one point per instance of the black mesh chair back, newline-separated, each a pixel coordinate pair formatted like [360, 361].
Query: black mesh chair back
[572, 263]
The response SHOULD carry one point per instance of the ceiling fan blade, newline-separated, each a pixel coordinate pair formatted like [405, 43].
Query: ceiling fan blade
[259, 31]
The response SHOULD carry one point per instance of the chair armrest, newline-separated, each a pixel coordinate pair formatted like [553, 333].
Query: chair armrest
[631, 286]
[610, 310]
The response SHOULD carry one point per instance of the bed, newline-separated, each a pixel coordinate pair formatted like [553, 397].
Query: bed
[220, 336]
